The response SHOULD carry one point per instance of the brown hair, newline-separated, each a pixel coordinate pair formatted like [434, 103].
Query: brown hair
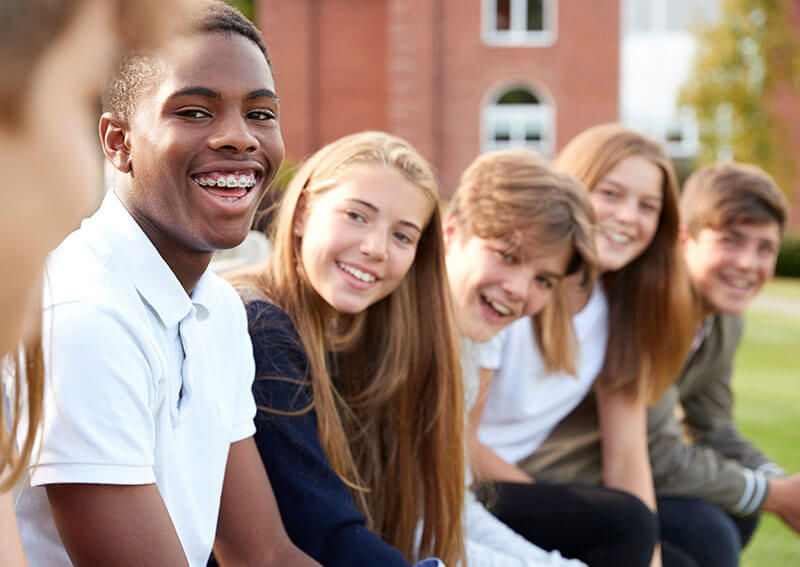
[650, 294]
[518, 195]
[729, 193]
[27, 29]
[394, 430]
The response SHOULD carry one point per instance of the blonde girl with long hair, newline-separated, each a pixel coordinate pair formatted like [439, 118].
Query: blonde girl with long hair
[54, 55]
[633, 329]
[357, 370]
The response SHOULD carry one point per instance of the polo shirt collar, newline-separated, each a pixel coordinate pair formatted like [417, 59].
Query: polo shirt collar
[144, 266]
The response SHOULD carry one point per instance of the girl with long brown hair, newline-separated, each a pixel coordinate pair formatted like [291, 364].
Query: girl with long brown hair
[357, 370]
[54, 55]
[633, 329]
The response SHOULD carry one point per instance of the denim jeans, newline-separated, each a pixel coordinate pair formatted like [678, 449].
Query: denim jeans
[695, 533]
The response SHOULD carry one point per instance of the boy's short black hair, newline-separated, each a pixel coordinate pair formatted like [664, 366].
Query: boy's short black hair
[138, 69]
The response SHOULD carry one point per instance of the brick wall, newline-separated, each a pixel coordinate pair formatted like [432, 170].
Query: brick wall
[420, 69]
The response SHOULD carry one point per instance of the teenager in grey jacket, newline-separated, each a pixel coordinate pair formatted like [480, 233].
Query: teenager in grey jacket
[711, 481]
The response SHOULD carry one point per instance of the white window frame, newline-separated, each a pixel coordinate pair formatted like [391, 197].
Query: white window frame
[516, 116]
[518, 35]
[684, 122]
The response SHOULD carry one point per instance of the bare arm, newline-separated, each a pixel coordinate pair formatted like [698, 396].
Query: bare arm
[783, 499]
[11, 553]
[250, 531]
[626, 464]
[486, 464]
[107, 524]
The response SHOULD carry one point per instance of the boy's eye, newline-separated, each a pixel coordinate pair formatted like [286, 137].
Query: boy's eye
[506, 257]
[193, 113]
[766, 249]
[260, 115]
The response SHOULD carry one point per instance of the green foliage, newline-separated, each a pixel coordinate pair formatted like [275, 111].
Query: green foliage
[788, 263]
[740, 62]
[246, 7]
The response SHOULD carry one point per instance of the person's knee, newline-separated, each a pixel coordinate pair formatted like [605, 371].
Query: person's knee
[719, 527]
[702, 530]
[640, 521]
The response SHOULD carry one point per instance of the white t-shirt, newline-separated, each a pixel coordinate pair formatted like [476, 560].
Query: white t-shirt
[145, 384]
[526, 402]
[488, 541]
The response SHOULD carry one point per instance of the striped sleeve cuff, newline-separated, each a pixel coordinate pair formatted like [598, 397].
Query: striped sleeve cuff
[755, 490]
[771, 470]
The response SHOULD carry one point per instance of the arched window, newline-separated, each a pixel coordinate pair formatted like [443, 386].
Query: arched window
[517, 118]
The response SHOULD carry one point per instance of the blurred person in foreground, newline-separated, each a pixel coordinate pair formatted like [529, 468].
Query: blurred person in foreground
[55, 56]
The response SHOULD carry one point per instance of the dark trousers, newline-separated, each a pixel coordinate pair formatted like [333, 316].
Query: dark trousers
[600, 526]
[695, 533]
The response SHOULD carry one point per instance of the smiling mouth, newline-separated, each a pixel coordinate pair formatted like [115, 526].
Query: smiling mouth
[230, 185]
[496, 306]
[739, 284]
[617, 237]
[356, 273]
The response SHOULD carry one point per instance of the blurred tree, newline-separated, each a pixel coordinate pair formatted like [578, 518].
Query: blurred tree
[246, 7]
[741, 60]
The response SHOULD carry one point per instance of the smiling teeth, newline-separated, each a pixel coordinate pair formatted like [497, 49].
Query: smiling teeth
[739, 284]
[356, 273]
[499, 307]
[246, 180]
[618, 238]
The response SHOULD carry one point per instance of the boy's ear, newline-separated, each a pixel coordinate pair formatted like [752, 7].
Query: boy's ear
[114, 135]
[449, 230]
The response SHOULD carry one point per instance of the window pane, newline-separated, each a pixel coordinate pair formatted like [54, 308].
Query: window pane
[642, 15]
[535, 15]
[678, 15]
[533, 131]
[502, 131]
[518, 96]
[503, 15]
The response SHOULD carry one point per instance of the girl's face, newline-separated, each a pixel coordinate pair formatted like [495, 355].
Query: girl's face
[359, 238]
[627, 202]
[51, 164]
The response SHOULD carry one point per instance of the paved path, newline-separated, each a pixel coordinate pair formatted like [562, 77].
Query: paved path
[789, 307]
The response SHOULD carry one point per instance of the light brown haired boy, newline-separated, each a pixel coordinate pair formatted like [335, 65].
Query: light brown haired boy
[733, 218]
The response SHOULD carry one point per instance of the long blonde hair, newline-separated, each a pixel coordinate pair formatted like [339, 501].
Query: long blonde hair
[393, 429]
[652, 293]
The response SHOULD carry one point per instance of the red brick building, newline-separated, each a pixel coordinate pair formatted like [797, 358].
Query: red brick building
[454, 77]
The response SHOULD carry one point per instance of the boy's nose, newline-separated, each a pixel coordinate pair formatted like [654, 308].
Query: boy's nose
[517, 287]
[233, 134]
[747, 258]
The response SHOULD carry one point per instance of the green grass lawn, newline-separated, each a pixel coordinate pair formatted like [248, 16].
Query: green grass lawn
[767, 387]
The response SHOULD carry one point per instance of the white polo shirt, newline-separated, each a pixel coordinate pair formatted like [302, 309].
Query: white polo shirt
[525, 401]
[145, 384]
